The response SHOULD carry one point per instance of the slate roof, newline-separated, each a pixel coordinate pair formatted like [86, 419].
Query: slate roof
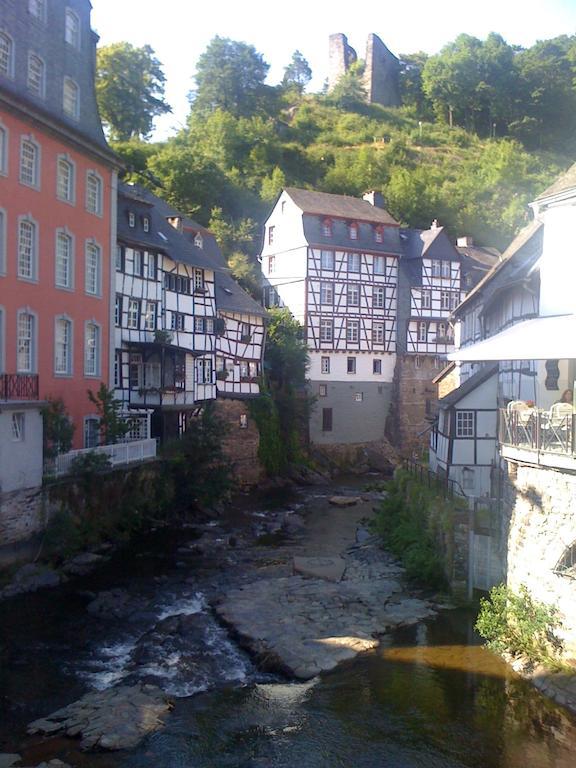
[418, 242]
[230, 296]
[565, 182]
[339, 206]
[468, 386]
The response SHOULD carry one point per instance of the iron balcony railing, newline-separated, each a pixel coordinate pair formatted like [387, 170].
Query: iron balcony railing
[18, 386]
[538, 430]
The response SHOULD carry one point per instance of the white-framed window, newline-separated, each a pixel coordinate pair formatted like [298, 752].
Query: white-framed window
[441, 331]
[323, 390]
[350, 365]
[378, 333]
[378, 296]
[37, 8]
[271, 235]
[446, 299]
[353, 295]
[26, 342]
[353, 231]
[436, 268]
[422, 331]
[63, 346]
[446, 268]
[358, 397]
[131, 219]
[468, 479]
[327, 227]
[118, 309]
[379, 265]
[177, 321]
[426, 299]
[65, 177]
[150, 316]
[377, 366]
[353, 262]
[2, 245]
[120, 258]
[198, 279]
[135, 371]
[327, 260]
[146, 224]
[153, 374]
[326, 293]
[6, 54]
[245, 332]
[204, 369]
[36, 75]
[92, 349]
[71, 98]
[326, 330]
[465, 424]
[94, 193]
[325, 365]
[199, 241]
[64, 261]
[3, 150]
[271, 264]
[378, 234]
[118, 369]
[18, 422]
[27, 250]
[138, 263]
[72, 28]
[150, 266]
[91, 432]
[353, 331]
[29, 162]
[93, 269]
[133, 317]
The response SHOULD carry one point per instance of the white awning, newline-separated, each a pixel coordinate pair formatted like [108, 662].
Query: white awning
[543, 338]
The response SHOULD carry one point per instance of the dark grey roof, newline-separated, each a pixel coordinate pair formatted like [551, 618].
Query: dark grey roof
[478, 257]
[468, 386]
[339, 206]
[340, 237]
[230, 296]
[562, 184]
[431, 243]
[46, 39]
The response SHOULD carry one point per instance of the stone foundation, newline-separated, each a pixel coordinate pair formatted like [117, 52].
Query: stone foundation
[22, 518]
[240, 443]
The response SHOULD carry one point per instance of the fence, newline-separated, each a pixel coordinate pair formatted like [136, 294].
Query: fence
[441, 483]
[119, 453]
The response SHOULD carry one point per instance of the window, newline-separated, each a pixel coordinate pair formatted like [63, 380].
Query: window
[133, 319]
[63, 260]
[150, 266]
[325, 365]
[93, 269]
[118, 369]
[465, 424]
[6, 55]
[422, 331]
[353, 295]
[376, 366]
[378, 265]
[93, 193]
[131, 219]
[440, 331]
[378, 333]
[353, 262]
[2, 251]
[38, 9]
[72, 28]
[26, 343]
[271, 264]
[200, 325]
[198, 279]
[199, 241]
[91, 432]
[379, 297]
[27, 250]
[150, 316]
[326, 293]
[417, 362]
[120, 258]
[71, 98]
[63, 347]
[352, 330]
[245, 332]
[36, 75]
[327, 260]
[146, 224]
[323, 390]
[177, 321]
[426, 299]
[65, 180]
[204, 371]
[326, 330]
[118, 309]
[270, 235]
[327, 227]
[468, 479]
[350, 365]
[29, 163]
[446, 268]
[152, 375]
[446, 300]
[3, 150]
[436, 269]
[209, 325]
[92, 350]
[18, 427]
[138, 263]
[135, 371]
[358, 397]
[378, 234]
[353, 231]
[326, 419]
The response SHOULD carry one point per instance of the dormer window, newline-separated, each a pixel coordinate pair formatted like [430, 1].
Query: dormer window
[353, 230]
[146, 223]
[378, 234]
[199, 241]
[131, 220]
[327, 227]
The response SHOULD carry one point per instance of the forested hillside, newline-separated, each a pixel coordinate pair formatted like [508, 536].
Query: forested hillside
[484, 128]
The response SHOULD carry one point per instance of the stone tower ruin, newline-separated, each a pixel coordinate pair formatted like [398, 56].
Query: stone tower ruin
[380, 73]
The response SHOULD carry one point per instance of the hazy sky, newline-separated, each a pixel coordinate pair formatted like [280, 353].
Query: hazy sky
[180, 30]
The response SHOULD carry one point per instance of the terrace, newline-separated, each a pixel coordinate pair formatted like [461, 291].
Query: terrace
[538, 436]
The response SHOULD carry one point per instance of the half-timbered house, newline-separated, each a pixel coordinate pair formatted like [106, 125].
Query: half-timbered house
[333, 261]
[165, 318]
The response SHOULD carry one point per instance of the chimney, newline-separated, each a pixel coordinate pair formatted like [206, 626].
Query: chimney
[465, 242]
[176, 222]
[374, 198]
[434, 224]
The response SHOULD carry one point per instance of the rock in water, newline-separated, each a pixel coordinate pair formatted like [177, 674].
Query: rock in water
[118, 718]
[344, 501]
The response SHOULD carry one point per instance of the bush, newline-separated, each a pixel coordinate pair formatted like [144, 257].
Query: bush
[519, 625]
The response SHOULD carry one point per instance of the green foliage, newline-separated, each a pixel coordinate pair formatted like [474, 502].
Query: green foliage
[87, 464]
[129, 90]
[272, 450]
[515, 623]
[58, 428]
[286, 350]
[113, 426]
[297, 74]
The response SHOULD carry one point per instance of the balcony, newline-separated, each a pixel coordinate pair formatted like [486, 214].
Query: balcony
[538, 436]
[18, 386]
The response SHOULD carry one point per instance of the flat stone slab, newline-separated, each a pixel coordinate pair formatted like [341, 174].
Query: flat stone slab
[118, 718]
[8, 760]
[329, 568]
[344, 501]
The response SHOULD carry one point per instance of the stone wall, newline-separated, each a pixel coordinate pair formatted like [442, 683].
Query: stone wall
[540, 508]
[448, 383]
[341, 56]
[240, 443]
[381, 74]
[21, 519]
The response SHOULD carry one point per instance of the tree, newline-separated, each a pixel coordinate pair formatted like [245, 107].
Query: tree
[230, 76]
[286, 351]
[58, 428]
[129, 90]
[411, 90]
[113, 426]
[349, 92]
[297, 74]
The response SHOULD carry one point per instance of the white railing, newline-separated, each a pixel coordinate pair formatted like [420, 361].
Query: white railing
[119, 453]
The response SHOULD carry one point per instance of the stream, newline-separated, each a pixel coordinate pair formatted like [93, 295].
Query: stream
[428, 696]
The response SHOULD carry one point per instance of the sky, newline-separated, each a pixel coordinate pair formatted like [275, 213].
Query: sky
[179, 31]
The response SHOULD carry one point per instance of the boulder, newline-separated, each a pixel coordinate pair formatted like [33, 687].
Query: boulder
[344, 501]
[8, 760]
[329, 568]
[30, 578]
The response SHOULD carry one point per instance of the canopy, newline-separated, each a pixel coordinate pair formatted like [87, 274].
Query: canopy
[543, 338]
